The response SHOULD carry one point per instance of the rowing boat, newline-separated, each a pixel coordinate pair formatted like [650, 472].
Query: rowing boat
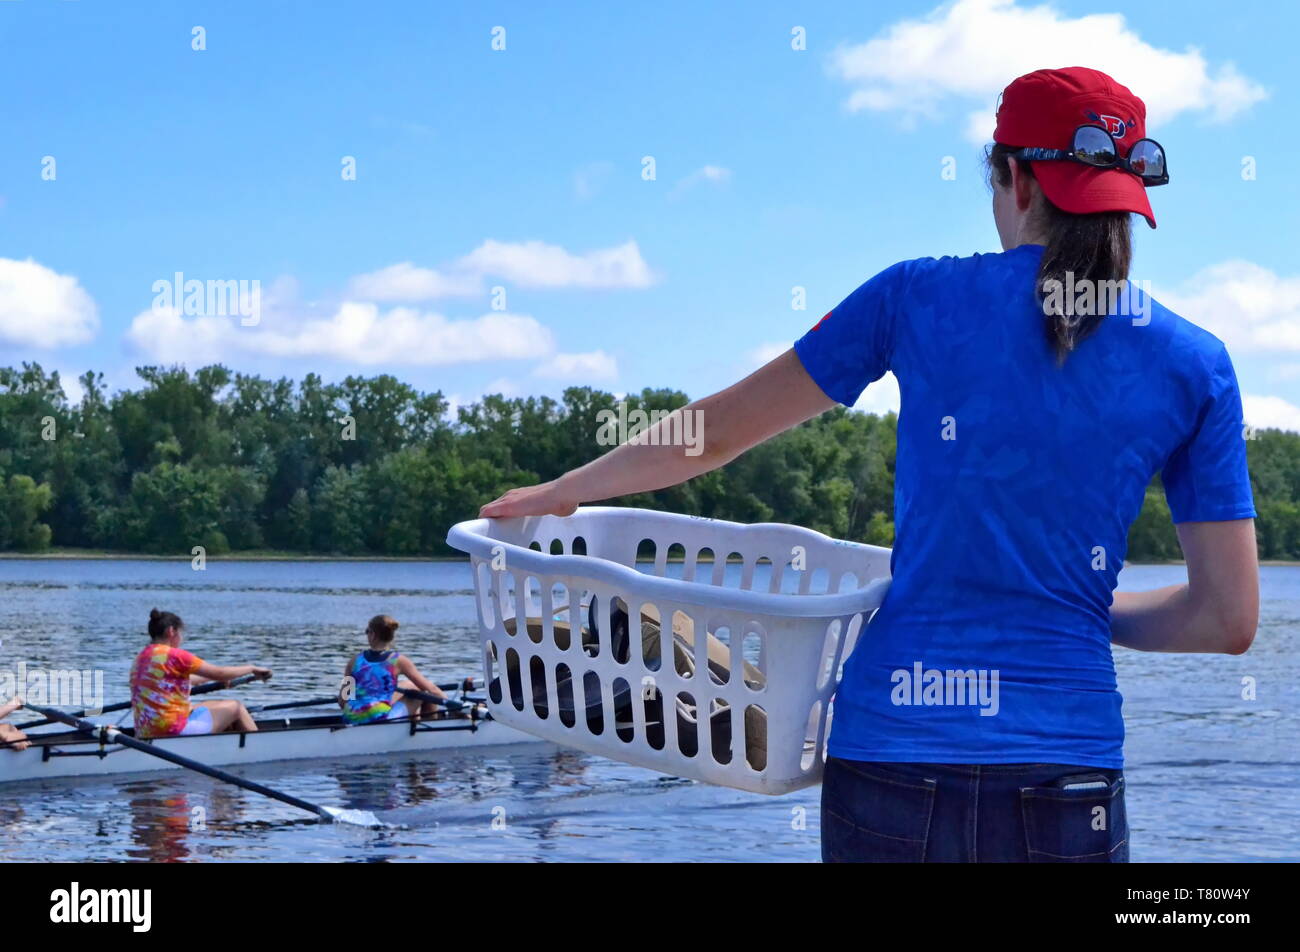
[71, 753]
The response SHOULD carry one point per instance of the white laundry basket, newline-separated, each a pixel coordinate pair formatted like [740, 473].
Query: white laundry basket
[746, 706]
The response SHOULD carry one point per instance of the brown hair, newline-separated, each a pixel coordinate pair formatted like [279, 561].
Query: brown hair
[385, 626]
[1092, 248]
[159, 622]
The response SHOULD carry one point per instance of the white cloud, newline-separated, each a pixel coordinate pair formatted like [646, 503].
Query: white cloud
[1248, 307]
[596, 365]
[1266, 413]
[72, 388]
[705, 175]
[967, 52]
[880, 397]
[357, 333]
[526, 264]
[535, 264]
[42, 308]
[504, 386]
[406, 282]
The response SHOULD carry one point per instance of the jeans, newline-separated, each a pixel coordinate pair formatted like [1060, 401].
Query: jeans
[972, 813]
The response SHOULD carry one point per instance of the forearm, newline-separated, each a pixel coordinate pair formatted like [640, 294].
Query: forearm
[229, 672]
[1166, 619]
[674, 450]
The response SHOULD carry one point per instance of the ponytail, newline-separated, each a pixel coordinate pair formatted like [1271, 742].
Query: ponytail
[1081, 250]
[159, 622]
[383, 627]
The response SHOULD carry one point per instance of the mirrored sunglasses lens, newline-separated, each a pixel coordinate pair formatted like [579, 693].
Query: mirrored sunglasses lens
[1092, 145]
[1147, 159]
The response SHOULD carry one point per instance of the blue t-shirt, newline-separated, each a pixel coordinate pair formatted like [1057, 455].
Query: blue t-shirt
[1016, 482]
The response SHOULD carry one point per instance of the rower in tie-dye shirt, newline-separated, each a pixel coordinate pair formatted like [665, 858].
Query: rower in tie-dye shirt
[160, 689]
[375, 681]
[160, 686]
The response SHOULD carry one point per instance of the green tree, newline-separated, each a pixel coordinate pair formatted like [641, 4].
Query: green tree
[24, 502]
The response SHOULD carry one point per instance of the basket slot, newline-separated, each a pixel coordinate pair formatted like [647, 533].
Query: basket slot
[752, 646]
[686, 719]
[564, 695]
[513, 685]
[541, 700]
[755, 734]
[717, 673]
[624, 720]
[704, 563]
[650, 711]
[721, 732]
[676, 553]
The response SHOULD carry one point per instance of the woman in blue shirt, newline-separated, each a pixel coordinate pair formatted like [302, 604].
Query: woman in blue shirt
[1040, 393]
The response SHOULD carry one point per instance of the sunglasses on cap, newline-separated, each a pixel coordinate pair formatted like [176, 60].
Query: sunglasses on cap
[1096, 147]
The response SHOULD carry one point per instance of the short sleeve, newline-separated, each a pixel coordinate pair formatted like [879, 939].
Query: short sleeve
[182, 663]
[1206, 479]
[853, 345]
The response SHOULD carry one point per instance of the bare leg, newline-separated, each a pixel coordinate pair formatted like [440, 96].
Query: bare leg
[229, 715]
[414, 707]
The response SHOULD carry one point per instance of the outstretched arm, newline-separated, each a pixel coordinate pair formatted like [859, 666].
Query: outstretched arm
[772, 399]
[407, 667]
[217, 672]
[1216, 611]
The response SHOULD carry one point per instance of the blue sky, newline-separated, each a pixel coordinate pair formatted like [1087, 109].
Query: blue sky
[522, 168]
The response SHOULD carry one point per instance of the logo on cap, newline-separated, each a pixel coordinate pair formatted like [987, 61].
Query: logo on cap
[1112, 124]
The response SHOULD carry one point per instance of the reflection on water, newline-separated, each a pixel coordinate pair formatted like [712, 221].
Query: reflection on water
[1211, 776]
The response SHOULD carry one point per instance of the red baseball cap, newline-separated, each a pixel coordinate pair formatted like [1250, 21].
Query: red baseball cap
[1043, 108]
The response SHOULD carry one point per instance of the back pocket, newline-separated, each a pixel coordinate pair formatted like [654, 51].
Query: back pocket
[871, 814]
[1086, 824]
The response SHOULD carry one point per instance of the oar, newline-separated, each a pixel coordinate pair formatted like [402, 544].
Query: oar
[465, 685]
[123, 705]
[111, 735]
[285, 705]
[446, 702]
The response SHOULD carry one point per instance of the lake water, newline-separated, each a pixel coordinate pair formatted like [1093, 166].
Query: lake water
[1210, 776]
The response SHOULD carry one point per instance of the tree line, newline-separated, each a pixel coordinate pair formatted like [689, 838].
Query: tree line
[372, 466]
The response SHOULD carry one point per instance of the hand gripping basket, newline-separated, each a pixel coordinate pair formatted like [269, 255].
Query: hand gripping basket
[715, 662]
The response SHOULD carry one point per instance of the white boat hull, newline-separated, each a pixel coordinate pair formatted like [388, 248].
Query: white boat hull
[304, 739]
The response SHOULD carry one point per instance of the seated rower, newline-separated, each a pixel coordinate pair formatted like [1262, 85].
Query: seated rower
[10, 736]
[374, 678]
[160, 686]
